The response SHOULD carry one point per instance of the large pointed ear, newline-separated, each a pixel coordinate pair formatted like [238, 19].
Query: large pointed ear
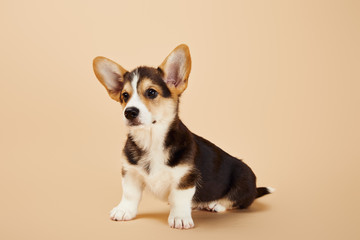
[176, 68]
[110, 75]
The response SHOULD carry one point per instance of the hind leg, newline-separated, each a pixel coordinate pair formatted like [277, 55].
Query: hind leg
[243, 190]
[214, 206]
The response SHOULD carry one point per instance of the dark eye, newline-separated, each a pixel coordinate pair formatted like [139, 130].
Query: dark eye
[125, 96]
[151, 93]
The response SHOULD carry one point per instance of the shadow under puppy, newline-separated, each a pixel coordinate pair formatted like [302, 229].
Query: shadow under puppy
[161, 154]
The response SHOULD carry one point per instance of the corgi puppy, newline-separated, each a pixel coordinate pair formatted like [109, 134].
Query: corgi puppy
[162, 154]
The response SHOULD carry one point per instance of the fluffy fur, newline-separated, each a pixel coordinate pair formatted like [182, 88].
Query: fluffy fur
[162, 154]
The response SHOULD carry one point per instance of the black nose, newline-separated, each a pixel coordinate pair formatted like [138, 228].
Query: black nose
[131, 113]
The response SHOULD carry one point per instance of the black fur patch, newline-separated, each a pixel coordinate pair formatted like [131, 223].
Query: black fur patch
[222, 176]
[132, 152]
[243, 191]
[180, 143]
[127, 77]
[155, 75]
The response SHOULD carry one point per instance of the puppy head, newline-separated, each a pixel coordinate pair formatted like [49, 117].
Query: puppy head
[147, 95]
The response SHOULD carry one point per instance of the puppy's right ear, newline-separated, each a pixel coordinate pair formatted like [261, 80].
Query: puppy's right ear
[110, 75]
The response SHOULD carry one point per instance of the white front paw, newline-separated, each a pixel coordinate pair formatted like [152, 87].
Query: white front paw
[180, 222]
[120, 213]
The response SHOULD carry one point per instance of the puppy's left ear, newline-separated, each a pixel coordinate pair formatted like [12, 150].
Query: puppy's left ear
[176, 68]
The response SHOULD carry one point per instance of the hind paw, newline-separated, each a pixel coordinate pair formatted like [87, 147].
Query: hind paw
[212, 207]
[216, 207]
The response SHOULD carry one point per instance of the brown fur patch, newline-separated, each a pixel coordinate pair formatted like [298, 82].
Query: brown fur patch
[123, 172]
[128, 89]
[189, 180]
[159, 107]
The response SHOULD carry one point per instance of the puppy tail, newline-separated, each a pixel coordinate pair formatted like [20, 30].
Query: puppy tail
[261, 191]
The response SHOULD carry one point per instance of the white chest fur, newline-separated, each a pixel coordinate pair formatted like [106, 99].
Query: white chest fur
[159, 178]
[152, 169]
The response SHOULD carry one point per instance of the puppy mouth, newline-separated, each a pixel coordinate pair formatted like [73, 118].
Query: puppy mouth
[134, 122]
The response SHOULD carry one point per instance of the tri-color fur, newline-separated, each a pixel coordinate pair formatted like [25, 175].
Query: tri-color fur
[162, 154]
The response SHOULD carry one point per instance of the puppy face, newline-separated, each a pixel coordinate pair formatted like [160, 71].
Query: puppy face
[145, 98]
[147, 95]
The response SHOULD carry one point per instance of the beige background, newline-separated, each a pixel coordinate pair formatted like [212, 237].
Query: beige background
[273, 82]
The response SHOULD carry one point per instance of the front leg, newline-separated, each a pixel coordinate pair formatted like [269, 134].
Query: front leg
[180, 203]
[133, 186]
